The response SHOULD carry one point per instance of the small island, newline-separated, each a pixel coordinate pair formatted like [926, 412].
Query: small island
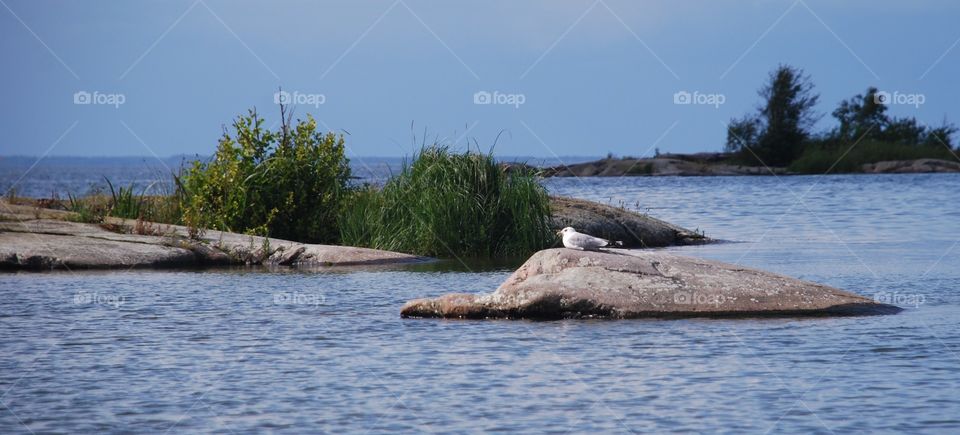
[779, 139]
[722, 164]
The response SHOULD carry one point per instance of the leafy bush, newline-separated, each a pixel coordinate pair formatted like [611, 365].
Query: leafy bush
[448, 204]
[818, 159]
[287, 183]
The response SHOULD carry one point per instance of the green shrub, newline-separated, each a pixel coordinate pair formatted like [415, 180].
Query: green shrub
[447, 204]
[287, 183]
[644, 169]
[819, 158]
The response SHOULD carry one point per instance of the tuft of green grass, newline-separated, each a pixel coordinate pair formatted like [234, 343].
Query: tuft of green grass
[448, 204]
[818, 159]
[88, 210]
[123, 202]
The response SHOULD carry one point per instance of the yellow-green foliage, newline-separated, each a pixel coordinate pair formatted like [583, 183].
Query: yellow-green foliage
[286, 183]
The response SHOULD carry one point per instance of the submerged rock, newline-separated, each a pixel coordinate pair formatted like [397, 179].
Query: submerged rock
[565, 283]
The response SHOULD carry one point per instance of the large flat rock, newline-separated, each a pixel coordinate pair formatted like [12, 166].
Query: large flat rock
[566, 283]
[41, 240]
[38, 251]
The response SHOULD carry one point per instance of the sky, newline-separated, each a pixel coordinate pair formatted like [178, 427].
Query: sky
[548, 77]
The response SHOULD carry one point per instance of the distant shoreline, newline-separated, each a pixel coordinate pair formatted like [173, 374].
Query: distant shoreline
[722, 164]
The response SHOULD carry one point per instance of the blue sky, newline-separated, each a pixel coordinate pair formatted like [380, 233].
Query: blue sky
[592, 76]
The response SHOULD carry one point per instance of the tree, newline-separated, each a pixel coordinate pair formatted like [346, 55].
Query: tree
[776, 135]
[788, 115]
[743, 133]
[904, 131]
[862, 116]
[941, 135]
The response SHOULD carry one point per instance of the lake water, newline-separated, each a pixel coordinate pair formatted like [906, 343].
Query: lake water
[248, 350]
[57, 176]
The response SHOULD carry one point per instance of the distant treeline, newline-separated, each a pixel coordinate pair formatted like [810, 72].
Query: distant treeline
[781, 134]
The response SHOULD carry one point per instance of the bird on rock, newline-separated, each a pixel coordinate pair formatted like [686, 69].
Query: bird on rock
[584, 242]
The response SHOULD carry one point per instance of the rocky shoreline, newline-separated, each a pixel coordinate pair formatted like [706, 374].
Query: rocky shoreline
[36, 238]
[552, 284]
[918, 166]
[717, 164]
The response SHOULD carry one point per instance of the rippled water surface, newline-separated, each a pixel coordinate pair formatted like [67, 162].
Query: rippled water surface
[243, 350]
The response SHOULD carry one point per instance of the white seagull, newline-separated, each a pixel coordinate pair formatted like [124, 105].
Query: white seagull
[584, 242]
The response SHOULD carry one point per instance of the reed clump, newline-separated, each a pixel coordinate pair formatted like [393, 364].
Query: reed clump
[449, 204]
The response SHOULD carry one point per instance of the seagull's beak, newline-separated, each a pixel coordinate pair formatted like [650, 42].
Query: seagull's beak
[559, 232]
